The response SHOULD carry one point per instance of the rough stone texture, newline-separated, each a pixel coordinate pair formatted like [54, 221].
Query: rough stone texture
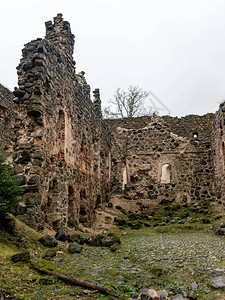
[220, 231]
[70, 161]
[219, 152]
[23, 256]
[74, 248]
[62, 144]
[48, 241]
[218, 283]
[138, 157]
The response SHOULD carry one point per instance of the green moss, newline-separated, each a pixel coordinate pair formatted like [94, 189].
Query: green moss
[47, 265]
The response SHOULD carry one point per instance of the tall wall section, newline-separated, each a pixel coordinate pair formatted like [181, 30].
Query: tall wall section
[218, 134]
[163, 158]
[62, 145]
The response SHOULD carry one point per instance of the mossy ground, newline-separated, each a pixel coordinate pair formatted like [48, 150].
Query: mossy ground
[159, 256]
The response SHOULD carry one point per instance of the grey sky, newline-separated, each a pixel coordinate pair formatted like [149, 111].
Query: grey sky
[174, 48]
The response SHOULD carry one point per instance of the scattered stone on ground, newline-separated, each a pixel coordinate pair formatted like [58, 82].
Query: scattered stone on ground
[23, 256]
[78, 238]
[74, 248]
[49, 254]
[218, 283]
[48, 241]
[61, 236]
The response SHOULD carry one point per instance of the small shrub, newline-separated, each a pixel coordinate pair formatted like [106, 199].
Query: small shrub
[9, 187]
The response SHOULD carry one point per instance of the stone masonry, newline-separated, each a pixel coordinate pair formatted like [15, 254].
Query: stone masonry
[163, 159]
[62, 145]
[70, 161]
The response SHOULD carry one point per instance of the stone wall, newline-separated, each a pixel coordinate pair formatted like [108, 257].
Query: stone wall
[168, 159]
[70, 163]
[218, 134]
[62, 145]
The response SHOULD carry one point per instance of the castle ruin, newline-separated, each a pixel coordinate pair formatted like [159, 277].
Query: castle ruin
[70, 161]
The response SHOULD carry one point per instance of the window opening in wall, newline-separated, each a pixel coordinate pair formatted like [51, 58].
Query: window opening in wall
[124, 178]
[60, 127]
[83, 206]
[98, 201]
[183, 199]
[195, 135]
[167, 175]
[71, 207]
[56, 225]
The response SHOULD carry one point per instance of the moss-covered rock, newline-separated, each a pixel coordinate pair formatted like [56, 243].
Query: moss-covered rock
[110, 240]
[23, 256]
[74, 248]
[95, 240]
[49, 254]
[78, 238]
[48, 241]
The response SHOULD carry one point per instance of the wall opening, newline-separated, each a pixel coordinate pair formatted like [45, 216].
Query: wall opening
[195, 135]
[183, 199]
[56, 225]
[83, 207]
[124, 178]
[166, 176]
[71, 207]
[60, 127]
[98, 201]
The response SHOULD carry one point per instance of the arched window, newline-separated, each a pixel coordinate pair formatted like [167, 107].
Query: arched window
[166, 176]
[195, 135]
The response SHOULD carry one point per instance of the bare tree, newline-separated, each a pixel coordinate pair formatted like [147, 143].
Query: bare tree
[128, 103]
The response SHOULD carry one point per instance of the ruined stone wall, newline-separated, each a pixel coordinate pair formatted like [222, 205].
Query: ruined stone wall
[62, 145]
[186, 126]
[68, 160]
[169, 159]
[218, 140]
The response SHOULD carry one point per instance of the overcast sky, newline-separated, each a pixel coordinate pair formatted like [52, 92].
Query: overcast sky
[174, 48]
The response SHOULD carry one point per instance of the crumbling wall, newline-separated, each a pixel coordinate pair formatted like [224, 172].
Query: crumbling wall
[63, 146]
[156, 163]
[218, 138]
[187, 126]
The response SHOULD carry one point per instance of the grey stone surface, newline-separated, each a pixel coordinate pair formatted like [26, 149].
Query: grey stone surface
[218, 283]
